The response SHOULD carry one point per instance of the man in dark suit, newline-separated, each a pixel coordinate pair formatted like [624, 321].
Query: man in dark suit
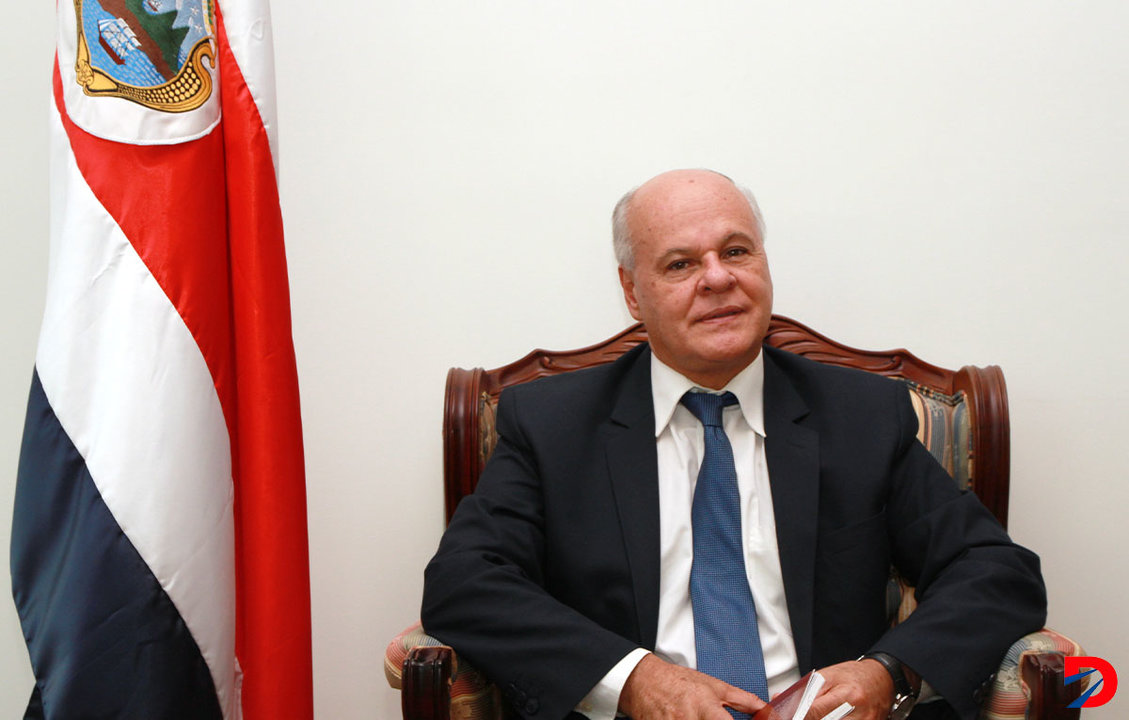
[566, 576]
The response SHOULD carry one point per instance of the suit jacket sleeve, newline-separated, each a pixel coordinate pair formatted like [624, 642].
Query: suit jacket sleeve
[489, 591]
[977, 591]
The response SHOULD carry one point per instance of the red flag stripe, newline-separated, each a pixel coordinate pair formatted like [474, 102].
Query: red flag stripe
[273, 599]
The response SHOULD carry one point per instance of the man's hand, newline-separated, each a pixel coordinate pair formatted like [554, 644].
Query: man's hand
[658, 690]
[864, 684]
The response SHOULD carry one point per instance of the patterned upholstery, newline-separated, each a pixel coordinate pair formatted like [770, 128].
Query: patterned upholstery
[473, 697]
[1009, 695]
[943, 427]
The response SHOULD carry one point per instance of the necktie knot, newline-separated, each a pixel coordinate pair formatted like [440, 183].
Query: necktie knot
[707, 407]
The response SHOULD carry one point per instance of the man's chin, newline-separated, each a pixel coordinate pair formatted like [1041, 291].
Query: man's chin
[726, 345]
[722, 365]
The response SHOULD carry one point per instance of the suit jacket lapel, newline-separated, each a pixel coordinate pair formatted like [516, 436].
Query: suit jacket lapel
[633, 469]
[792, 451]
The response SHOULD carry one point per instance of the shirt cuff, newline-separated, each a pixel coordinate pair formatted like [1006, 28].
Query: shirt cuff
[927, 693]
[602, 702]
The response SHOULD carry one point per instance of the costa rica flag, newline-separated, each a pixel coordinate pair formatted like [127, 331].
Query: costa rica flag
[159, 555]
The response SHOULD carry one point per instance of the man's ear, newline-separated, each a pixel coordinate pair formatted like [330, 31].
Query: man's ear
[628, 285]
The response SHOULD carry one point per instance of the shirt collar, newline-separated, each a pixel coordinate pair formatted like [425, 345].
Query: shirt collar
[668, 386]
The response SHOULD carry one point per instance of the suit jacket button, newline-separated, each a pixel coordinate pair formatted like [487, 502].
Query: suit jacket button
[532, 706]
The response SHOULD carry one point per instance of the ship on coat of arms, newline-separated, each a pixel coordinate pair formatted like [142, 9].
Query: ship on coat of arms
[116, 39]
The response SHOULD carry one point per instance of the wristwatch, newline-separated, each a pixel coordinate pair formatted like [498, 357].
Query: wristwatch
[905, 695]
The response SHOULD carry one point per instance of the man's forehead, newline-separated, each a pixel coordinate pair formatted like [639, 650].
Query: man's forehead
[681, 191]
[676, 184]
[672, 199]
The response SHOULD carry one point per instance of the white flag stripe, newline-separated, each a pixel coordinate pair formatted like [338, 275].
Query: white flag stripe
[249, 36]
[131, 388]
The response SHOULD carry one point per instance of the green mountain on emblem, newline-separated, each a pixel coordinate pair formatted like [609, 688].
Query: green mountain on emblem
[160, 41]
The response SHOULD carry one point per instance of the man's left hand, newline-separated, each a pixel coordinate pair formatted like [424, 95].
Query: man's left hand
[865, 684]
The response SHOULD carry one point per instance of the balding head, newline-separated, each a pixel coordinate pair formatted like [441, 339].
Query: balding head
[621, 230]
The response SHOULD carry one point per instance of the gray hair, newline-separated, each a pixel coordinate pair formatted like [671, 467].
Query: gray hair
[621, 234]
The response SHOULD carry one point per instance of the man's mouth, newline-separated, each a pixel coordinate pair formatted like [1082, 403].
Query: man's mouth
[720, 313]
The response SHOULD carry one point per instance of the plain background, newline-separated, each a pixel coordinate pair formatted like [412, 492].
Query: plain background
[947, 178]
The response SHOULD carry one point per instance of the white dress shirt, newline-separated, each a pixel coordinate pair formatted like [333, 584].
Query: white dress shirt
[680, 444]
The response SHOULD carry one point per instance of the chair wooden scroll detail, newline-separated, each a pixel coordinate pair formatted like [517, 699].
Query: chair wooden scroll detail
[964, 417]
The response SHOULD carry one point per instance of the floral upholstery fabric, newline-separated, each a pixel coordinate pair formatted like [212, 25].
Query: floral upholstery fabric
[1009, 696]
[473, 697]
[943, 427]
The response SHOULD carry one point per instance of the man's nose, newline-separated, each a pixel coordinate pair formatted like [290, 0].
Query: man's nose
[716, 277]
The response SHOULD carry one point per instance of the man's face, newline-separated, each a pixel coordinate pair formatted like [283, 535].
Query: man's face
[700, 283]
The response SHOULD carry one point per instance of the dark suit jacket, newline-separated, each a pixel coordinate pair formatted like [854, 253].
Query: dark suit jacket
[549, 574]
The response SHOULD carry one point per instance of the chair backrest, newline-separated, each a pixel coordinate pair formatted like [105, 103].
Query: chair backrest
[962, 414]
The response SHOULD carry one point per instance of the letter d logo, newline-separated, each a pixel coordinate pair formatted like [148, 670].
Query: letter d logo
[1074, 673]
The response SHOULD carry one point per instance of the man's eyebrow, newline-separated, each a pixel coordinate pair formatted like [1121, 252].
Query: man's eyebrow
[674, 252]
[680, 251]
[741, 236]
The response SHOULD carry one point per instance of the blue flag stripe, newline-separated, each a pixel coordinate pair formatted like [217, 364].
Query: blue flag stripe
[102, 634]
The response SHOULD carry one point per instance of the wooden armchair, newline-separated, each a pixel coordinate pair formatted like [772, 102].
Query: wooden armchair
[963, 418]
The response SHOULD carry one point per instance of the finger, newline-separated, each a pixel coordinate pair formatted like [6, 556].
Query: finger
[742, 701]
[823, 705]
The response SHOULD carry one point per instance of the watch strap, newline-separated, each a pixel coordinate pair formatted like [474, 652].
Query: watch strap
[905, 694]
[896, 670]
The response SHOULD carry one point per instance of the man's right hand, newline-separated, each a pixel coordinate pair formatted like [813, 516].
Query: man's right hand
[658, 690]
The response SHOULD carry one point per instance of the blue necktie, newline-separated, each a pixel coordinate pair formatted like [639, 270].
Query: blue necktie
[725, 618]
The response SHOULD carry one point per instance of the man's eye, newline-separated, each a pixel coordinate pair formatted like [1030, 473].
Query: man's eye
[678, 265]
[735, 251]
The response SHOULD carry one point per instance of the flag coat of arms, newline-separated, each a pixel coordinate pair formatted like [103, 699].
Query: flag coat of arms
[159, 556]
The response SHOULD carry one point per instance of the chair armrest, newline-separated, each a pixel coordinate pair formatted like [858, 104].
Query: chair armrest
[434, 683]
[1029, 683]
[425, 693]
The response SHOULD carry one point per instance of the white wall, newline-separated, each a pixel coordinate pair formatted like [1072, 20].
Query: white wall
[25, 75]
[952, 182]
